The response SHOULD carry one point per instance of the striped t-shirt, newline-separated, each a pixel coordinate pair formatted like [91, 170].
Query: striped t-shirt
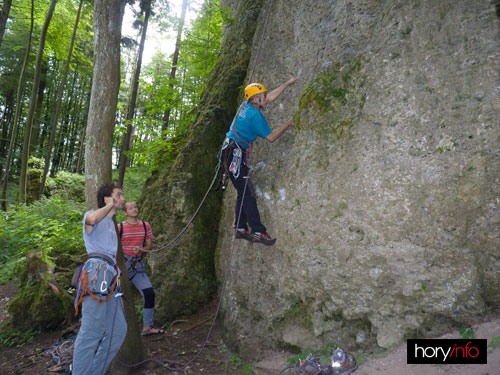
[133, 235]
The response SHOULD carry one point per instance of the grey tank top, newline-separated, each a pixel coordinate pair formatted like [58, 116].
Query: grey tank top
[102, 238]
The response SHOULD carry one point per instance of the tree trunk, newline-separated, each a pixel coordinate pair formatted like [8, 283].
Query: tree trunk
[74, 133]
[13, 135]
[31, 112]
[63, 132]
[127, 137]
[166, 115]
[5, 121]
[73, 139]
[104, 97]
[35, 131]
[5, 124]
[59, 100]
[132, 350]
[82, 138]
[46, 122]
[99, 141]
[4, 16]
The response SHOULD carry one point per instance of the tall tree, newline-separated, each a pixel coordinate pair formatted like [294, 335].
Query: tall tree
[5, 120]
[35, 130]
[82, 137]
[108, 16]
[104, 96]
[13, 135]
[59, 101]
[146, 8]
[175, 58]
[31, 112]
[62, 137]
[4, 16]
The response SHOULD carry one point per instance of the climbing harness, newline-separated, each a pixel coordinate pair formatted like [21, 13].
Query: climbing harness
[342, 363]
[99, 279]
[235, 165]
[134, 265]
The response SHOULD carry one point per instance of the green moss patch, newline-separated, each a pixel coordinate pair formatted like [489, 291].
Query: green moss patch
[331, 103]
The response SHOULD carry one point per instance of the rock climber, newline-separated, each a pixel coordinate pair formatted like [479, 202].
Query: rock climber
[248, 124]
[103, 327]
[136, 236]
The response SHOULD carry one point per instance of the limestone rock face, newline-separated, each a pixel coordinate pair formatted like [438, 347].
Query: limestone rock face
[183, 274]
[385, 194]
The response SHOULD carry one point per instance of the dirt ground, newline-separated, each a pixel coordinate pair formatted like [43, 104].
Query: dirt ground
[184, 337]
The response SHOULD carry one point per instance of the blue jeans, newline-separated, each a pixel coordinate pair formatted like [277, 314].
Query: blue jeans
[141, 281]
[100, 337]
[249, 213]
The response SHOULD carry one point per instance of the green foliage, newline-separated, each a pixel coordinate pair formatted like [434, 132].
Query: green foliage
[494, 343]
[236, 362]
[467, 333]
[10, 336]
[49, 226]
[139, 311]
[37, 163]
[67, 185]
[323, 354]
[159, 92]
[133, 182]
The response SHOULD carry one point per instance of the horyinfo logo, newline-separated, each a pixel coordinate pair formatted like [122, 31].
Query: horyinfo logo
[447, 351]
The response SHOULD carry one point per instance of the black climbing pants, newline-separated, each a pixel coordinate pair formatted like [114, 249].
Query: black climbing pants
[249, 212]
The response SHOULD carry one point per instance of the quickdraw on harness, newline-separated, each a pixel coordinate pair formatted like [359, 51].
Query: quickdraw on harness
[343, 363]
[99, 279]
[238, 155]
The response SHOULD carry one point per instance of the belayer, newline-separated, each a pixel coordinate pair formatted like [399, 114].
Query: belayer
[136, 236]
[248, 124]
[103, 327]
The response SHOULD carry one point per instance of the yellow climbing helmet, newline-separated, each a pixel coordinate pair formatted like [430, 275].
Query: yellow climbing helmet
[254, 88]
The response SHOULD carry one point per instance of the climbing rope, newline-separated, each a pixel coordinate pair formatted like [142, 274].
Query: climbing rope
[61, 353]
[228, 264]
[174, 240]
[223, 288]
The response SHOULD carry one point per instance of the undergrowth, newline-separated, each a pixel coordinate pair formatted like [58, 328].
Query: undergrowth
[10, 337]
[48, 226]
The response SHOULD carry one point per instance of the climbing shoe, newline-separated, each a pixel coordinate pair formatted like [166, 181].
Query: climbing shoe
[244, 235]
[263, 238]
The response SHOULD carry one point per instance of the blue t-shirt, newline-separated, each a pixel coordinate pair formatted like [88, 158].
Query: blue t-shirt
[250, 123]
[102, 238]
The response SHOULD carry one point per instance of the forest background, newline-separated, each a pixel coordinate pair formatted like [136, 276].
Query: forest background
[46, 70]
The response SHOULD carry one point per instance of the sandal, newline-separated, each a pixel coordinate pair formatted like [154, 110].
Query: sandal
[152, 331]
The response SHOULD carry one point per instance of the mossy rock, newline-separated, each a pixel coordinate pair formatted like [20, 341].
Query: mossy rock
[332, 101]
[34, 180]
[19, 308]
[38, 307]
